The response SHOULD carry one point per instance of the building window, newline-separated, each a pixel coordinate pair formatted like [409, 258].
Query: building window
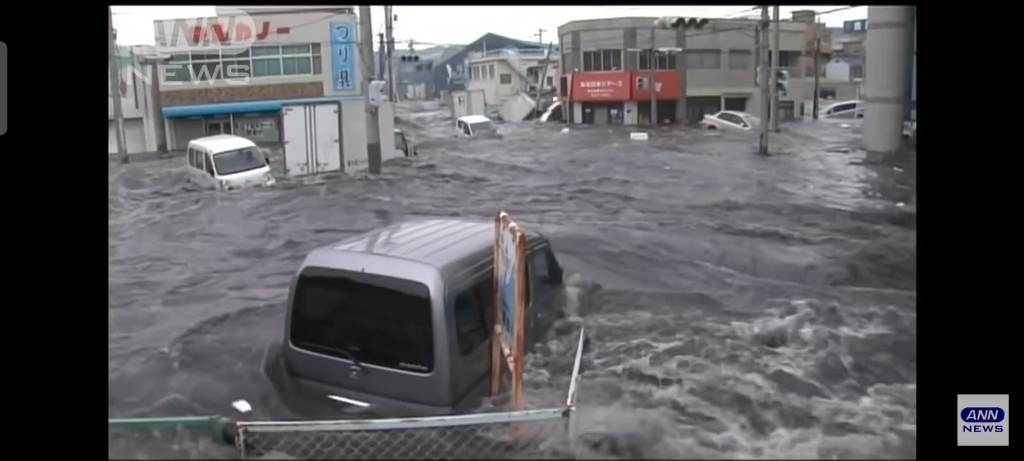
[827, 93]
[258, 61]
[785, 58]
[601, 60]
[663, 60]
[856, 71]
[704, 59]
[739, 59]
[506, 79]
[550, 81]
[490, 71]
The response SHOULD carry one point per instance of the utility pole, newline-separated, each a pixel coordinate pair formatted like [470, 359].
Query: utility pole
[540, 35]
[389, 30]
[366, 72]
[380, 55]
[758, 57]
[765, 94]
[653, 85]
[543, 74]
[775, 71]
[115, 88]
[817, 73]
[681, 63]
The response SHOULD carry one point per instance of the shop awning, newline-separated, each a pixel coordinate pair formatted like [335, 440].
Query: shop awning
[245, 107]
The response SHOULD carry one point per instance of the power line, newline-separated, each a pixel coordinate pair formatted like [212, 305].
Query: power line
[591, 43]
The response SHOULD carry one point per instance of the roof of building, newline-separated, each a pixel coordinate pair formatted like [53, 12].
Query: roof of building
[500, 40]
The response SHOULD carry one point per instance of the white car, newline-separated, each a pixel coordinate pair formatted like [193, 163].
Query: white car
[474, 125]
[730, 119]
[843, 110]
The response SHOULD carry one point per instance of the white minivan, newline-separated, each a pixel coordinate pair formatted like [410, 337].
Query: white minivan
[475, 125]
[228, 162]
[844, 109]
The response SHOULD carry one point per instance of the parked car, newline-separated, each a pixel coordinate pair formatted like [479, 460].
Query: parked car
[842, 110]
[730, 119]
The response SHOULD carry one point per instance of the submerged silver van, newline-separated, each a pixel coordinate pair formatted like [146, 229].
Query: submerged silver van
[397, 321]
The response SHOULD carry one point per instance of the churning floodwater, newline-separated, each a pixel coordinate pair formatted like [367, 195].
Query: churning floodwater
[736, 306]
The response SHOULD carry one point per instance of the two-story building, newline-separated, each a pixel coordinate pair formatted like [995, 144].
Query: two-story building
[512, 79]
[608, 64]
[299, 55]
[849, 47]
[452, 72]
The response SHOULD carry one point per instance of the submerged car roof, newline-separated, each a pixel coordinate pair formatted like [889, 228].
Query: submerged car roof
[474, 119]
[222, 142]
[441, 243]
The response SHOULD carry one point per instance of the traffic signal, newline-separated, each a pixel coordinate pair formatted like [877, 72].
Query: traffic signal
[675, 22]
[413, 58]
[782, 82]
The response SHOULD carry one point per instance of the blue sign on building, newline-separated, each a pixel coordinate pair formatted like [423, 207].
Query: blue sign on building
[343, 55]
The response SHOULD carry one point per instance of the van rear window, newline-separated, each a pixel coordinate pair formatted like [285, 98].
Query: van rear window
[374, 319]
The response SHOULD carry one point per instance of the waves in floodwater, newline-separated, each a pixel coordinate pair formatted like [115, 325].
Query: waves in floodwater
[737, 306]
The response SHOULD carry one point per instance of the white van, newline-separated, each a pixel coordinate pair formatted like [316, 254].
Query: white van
[845, 109]
[228, 162]
[474, 125]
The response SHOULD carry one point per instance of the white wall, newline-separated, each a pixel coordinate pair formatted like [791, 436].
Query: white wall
[837, 69]
[353, 136]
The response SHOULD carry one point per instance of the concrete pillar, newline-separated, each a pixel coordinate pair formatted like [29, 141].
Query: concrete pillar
[631, 113]
[887, 55]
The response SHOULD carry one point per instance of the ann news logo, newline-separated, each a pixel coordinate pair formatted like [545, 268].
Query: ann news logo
[984, 420]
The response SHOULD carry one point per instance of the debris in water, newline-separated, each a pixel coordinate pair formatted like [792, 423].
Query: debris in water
[565, 130]
[637, 136]
[897, 169]
[899, 203]
[242, 406]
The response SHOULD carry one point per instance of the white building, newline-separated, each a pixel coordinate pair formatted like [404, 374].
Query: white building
[137, 104]
[510, 79]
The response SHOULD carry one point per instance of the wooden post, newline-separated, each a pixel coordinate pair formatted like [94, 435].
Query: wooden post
[496, 328]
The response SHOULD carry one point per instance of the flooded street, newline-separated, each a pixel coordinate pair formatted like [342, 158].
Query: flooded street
[737, 306]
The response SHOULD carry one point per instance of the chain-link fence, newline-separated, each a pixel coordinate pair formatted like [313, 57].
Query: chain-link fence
[529, 434]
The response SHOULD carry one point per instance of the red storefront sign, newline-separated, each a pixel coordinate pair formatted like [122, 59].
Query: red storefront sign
[241, 33]
[600, 86]
[666, 85]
